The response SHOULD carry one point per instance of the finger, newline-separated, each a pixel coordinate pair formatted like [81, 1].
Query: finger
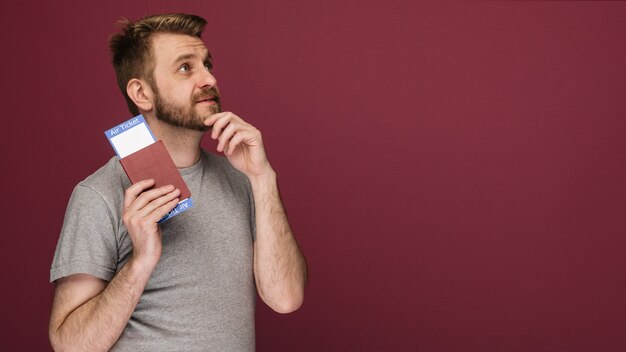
[211, 120]
[133, 191]
[240, 137]
[228, 133]
[226, 119]
[239, 120]
[158, 202]
[219, 125]
[148, 196]
[160, 212]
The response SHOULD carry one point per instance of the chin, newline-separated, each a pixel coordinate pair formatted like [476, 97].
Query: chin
[199, 128]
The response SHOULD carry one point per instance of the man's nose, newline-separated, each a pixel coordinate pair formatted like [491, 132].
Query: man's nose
[206, 79]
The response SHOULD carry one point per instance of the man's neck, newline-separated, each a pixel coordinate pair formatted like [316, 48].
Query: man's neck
[183, 144]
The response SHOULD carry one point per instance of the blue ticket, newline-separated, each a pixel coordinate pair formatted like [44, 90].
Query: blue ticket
[180, 207]
[130, 136]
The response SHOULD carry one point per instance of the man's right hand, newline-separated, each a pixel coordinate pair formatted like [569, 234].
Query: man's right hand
[142, 210]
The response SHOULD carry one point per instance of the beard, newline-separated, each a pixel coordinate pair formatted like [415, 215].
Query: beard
[187, 116]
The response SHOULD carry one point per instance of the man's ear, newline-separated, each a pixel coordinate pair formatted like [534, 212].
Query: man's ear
[140, 93]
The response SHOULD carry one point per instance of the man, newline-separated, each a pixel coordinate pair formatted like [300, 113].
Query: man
[126, 283]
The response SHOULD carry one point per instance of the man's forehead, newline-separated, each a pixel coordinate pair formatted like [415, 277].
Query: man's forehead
[168, 47]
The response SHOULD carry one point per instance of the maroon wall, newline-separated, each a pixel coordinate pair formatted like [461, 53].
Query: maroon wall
[455, 173]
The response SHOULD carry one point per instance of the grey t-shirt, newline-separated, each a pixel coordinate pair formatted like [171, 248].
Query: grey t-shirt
[201, 296]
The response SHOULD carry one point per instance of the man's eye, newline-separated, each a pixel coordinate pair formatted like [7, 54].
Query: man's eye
[208, 66]
[184, 68]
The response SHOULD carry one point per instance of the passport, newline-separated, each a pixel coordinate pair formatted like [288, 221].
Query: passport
[154, 162]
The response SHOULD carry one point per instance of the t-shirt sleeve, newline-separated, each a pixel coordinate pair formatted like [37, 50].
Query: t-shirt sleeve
[87, 242]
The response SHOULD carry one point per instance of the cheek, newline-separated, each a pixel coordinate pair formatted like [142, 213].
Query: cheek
[181, 94]
[176, 97]
[174, 91]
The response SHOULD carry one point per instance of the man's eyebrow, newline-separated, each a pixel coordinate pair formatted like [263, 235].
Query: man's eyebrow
[207, 57]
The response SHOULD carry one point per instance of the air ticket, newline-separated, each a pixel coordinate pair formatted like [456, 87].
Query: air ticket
[131, 136]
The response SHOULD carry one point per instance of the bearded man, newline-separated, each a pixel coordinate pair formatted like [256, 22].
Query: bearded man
[123, 282]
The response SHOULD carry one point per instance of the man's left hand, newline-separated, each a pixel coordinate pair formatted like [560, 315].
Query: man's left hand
[241, 143]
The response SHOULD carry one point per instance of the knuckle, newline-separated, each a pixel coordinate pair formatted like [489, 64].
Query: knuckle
[144, 225]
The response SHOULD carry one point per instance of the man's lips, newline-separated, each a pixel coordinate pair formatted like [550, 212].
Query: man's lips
[208, 99]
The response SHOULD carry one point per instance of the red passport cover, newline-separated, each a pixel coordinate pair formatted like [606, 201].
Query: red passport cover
[156, 163]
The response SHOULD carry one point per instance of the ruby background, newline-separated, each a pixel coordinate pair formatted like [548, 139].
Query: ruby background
[454, 172]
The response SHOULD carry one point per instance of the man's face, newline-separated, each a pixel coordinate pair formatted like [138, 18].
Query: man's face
[185, 90]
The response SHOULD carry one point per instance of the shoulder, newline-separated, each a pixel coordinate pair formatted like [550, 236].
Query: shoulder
[109, 177]
[107, 183]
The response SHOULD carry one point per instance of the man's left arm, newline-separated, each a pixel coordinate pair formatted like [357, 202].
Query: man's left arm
[279, 266]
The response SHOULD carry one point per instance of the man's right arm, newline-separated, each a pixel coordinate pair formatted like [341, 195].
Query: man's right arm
[87, 313]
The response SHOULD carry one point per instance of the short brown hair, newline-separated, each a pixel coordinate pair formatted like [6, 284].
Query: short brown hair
[131, 50]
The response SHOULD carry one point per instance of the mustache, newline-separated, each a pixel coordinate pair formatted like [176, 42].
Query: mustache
[207, 92]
